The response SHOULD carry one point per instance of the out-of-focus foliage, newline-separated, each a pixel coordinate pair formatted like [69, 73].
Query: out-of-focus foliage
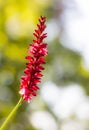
[18, 19]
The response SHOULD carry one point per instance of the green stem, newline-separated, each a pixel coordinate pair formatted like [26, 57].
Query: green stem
[11, 114]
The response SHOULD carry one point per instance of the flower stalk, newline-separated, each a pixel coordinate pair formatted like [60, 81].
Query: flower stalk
[11, 114]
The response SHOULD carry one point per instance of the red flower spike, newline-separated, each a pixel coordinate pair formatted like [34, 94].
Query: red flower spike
[37, 51]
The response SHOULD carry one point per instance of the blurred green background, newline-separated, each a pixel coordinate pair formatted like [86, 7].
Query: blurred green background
[18, 19]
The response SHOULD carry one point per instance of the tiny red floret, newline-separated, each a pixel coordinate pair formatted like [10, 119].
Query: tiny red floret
[37, 51]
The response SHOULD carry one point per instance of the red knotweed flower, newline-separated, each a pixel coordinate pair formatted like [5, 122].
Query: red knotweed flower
[37, 51]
